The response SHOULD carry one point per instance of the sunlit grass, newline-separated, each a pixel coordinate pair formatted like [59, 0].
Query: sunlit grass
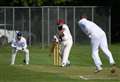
[41, 68]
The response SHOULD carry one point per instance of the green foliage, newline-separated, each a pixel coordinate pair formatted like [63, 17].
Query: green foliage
[27, 2]
[54, 2]
[37, 2]
[59, 1]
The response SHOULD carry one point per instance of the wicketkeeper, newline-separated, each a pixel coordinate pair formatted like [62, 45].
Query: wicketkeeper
[19, 44]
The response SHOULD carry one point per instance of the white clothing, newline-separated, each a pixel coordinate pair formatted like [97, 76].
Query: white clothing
[66, 32]
[98, 39]
[55, 38]
[65, 51]
[66, 45]
[19, 45]
[90, 28]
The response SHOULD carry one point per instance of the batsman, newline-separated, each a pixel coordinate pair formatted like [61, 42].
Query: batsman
[66, 42]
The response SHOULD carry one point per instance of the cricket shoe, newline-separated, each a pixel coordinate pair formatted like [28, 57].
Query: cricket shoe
[63, 65]
[24, 61]
[11, 64]
[98, 70]
[113, 69]
[67, 65]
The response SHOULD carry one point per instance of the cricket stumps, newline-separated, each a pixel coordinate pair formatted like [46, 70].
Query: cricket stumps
[56, 54]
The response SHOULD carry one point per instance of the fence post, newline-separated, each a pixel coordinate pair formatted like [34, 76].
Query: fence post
[109, 25]
[74, 25]
[13, 21]
[42, 27]
[5, 22]
[48, 27]
[66, 15]
[93, 14]
[30, 26]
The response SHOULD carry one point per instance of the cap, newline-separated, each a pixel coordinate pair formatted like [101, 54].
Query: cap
[19, 34]
[83, 16]
[60, 21]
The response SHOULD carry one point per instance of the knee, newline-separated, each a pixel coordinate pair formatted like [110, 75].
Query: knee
[26, 51]
[94, 54]
[14, 52]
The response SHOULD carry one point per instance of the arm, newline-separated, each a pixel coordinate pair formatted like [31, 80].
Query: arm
[13, 44]
[83, 28]
[61, 33]
[23, 43]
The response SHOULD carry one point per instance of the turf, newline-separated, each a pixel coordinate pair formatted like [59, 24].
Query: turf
[41, 68]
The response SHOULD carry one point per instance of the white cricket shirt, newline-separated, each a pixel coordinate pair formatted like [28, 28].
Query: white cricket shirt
[19, 43]
[67, 34]
[90, 28]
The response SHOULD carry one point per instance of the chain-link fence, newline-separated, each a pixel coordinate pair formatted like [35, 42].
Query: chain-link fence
[38, 24]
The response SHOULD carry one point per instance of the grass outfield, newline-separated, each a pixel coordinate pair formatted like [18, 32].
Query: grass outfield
[41, 68]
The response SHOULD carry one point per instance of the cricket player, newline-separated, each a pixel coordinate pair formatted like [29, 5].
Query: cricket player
[19, 44]
[66, 41]
[98, 40]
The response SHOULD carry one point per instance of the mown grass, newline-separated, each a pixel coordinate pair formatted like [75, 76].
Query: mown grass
[41, 68]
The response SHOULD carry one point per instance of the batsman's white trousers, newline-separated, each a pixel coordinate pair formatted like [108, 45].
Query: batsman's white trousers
[100, 41]
[65, 51]
[14, 53]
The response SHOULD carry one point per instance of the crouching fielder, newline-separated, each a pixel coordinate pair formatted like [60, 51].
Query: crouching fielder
[19, 44]
[65, 40]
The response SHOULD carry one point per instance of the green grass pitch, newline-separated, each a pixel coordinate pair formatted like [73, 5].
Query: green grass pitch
[41, 68]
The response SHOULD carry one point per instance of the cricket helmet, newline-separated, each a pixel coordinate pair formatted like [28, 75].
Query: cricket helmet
[19, 34]
[60, 21]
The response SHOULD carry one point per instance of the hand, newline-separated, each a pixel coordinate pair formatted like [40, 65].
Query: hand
[89, 36]
[22, 48]
[61, 34]
[15, 48]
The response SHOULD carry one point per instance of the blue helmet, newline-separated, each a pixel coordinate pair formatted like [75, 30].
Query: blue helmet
[19, 34]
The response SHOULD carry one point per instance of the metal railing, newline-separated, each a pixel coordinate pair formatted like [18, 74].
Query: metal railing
[39, 23]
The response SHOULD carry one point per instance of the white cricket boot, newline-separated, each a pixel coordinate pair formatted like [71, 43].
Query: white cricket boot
[98, 69]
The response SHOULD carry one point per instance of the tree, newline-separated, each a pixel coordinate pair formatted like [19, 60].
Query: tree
[36, 2]
[55, 2]
[5, 2]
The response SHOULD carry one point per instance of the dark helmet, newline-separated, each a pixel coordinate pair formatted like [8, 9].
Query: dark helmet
[19, 34]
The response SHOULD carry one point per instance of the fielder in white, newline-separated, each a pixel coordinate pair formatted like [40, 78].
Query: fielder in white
[19, 44]
[66, 41]
[98, 39]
